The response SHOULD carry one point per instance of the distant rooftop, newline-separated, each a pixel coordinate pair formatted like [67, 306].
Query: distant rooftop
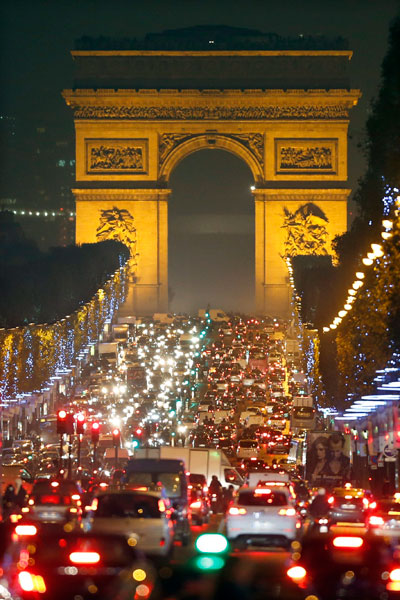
[213, 37]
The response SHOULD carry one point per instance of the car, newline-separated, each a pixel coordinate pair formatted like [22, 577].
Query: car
[262, 516]
[247, 448]
[74, 564]
[53, 501]
[140, 514]
[348, 505]
[384, 518]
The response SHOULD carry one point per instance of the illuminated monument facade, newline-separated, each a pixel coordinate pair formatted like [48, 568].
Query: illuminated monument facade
[138, 113]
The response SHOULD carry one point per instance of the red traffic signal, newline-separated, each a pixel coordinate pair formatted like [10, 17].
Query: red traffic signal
[116, 437]
[80, 423]
[61, 422]
[139, 431]
[95, 432]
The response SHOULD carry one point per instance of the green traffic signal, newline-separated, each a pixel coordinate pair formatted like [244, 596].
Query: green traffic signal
[212, 543]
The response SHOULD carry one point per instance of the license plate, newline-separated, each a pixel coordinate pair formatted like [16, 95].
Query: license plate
[349, 506]
[49, 515]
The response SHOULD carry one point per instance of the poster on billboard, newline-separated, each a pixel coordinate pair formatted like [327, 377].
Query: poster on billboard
[328, 461]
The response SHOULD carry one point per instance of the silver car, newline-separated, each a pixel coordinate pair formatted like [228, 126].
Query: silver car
[144, 517]
[262, 516]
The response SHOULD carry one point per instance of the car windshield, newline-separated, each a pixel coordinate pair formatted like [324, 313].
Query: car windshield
[134, 506]
[262, 498]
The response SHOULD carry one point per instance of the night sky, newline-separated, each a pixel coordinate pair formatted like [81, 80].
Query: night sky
[35, 65]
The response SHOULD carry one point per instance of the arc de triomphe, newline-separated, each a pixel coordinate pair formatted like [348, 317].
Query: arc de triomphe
[139, 113]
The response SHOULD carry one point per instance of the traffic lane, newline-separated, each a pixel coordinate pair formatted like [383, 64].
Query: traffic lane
[251, 573]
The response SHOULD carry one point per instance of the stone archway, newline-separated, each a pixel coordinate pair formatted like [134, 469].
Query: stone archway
[289, 125]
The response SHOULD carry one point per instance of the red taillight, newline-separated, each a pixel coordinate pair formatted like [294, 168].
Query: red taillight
[375, 520]
[234, 510]
[50, 499]
[196, 504]
[331, 500]
[84, 558]
[31, 583]
[25, 530]
[296, 573]
[348, 542]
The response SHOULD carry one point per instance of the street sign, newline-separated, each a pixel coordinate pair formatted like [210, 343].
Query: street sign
[389, 453]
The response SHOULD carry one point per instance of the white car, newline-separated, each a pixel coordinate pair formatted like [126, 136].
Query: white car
[142, 516]
[247, 448]
[262, 516]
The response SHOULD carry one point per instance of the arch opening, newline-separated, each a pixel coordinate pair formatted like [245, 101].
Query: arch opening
[211, 233]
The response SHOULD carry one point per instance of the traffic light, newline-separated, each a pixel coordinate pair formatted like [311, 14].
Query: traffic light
[116, 434]
[95, 432]
[70, 424]
[61, 422]
[80, 423]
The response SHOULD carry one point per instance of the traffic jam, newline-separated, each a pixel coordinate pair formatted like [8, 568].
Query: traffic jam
[179, 467]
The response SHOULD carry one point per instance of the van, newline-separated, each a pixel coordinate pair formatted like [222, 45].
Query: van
[247, 448]
[171, 474]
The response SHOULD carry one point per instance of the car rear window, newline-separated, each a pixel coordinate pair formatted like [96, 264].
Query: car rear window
[63, 488]
[271, 498]
[134, 506]
[248, 444]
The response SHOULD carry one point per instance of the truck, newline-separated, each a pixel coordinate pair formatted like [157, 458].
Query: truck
[109, 351]
[303, 413]
[120, 332]
[202, 461]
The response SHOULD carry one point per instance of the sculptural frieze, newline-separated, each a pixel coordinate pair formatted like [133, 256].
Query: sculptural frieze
[253, 141]
[249, 113]
[114, 156]
[306, 156]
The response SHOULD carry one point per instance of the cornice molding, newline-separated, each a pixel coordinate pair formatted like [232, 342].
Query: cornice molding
[301, 195]
[114, 195]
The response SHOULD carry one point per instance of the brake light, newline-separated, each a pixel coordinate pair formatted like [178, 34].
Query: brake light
[50, 499]
[196, 504]
[262, 491]
[25, 530]
[394, 575]
[372, 505]
[296, 573]
[348, 542]
[365, 502]
[234, 510]
[375, 520]
[205, 489]
[75, 497]
[161, 505]
[331, 500]
[84, 558]
[54, 484]
[31, 583]
[289, 512]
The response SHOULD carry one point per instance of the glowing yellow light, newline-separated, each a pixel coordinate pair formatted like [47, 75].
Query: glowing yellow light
[342, 313]
[139, 575]
[367, 262]
[348, 306]
[377, 250]
[352, 292]
[360, 275]
[357, 284]
[332, 326]
[386, 235]
[387, 224]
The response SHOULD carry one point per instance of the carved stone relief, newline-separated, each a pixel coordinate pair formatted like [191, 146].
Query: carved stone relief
[298, 112]
[116, 156]
[306, 231]
[117, 224]
[252, 141]
[306, 156]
